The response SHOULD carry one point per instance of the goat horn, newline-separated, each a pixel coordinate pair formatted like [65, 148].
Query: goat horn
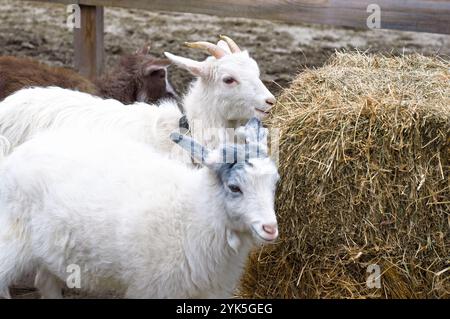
[233, 46]
[212, 49]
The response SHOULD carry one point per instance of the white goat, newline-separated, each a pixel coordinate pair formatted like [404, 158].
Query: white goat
[30, 111]
[131, 219]
[227, 92]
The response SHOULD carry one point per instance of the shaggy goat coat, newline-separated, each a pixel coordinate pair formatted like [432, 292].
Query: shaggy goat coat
[30, 111]
[132, 220]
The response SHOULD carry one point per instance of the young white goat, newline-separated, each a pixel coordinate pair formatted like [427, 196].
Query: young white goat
[227, 92]
[132, 220]
[30, 111]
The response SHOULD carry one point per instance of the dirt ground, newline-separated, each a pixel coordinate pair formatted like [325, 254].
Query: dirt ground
[39, 30]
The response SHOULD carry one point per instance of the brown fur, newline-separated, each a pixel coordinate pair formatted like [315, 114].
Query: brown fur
[18, 73]
[138, 77]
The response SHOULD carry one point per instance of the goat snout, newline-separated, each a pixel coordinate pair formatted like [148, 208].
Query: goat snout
[263, 111]
[270, 229]
[271, 101]
[267, 232]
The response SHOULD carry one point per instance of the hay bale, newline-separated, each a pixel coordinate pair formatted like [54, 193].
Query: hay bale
[365, 162]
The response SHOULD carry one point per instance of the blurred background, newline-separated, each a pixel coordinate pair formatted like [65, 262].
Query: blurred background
[39, 30]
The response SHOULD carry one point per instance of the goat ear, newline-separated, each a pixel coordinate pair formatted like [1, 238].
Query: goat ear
[195, 67]
[148, 69]
[198, 152]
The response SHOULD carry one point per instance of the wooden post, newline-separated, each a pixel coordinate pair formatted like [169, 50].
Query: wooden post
[88, 40]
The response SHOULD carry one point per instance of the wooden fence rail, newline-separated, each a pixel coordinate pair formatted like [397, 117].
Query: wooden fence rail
[411, 15]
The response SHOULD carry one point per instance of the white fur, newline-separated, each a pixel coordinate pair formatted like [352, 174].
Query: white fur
[218, 104]
[30, 111]
[135, 222]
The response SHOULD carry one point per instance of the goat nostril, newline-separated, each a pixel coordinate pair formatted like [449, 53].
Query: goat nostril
[270, 229]
[271, 101]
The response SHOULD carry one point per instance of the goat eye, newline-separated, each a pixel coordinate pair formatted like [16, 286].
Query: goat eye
[229, 80]
[234, 189]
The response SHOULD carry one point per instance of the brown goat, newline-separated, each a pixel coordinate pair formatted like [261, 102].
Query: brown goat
[17, 73]
[138, 77]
